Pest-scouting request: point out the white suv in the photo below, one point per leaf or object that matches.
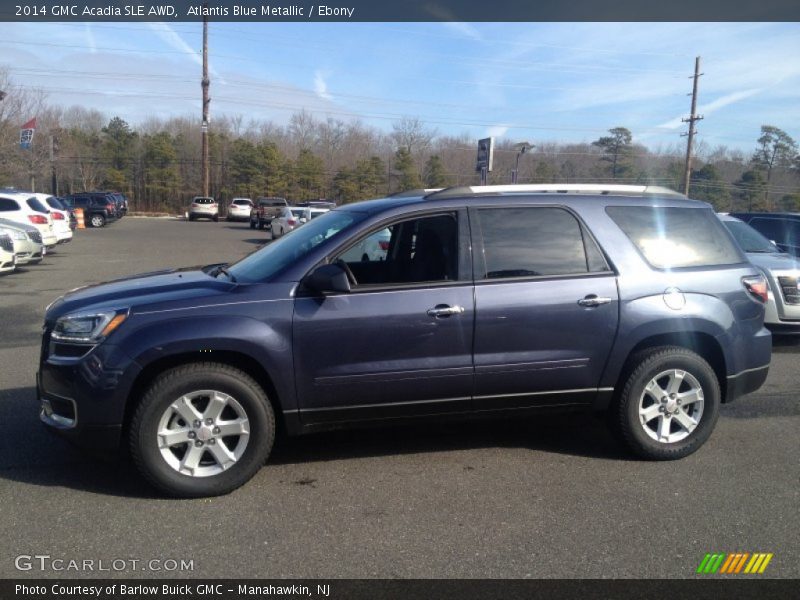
(24, 208)
(203, 207)
(60, 217)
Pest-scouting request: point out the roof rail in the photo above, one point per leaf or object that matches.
(415, 193)
(557, 188)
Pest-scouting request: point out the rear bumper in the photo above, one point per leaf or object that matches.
(745, 382)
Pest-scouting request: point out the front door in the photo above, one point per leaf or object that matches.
(400, 343)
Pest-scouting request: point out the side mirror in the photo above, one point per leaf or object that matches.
(326, 279)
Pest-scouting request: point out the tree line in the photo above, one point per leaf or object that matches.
(157, 162)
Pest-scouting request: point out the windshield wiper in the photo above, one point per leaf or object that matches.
(222, 269)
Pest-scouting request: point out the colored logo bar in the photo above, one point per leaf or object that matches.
(734, 563)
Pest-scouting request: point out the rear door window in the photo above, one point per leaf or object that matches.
(535, 242)
(670, 238)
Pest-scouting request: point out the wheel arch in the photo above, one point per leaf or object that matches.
(231, 358)
(703, 344)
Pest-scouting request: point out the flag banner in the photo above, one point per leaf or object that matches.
(26, 134)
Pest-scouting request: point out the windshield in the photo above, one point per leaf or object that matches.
(279, 254)
(749, 239)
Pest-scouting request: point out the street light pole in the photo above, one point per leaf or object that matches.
(522, 148)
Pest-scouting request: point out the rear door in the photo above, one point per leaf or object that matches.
(546, 308)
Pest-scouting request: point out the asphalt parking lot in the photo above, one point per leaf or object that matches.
(547, 497)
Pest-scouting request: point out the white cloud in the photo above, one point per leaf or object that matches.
(90, 39)
(168, 34)
(464, 29)
(320, 87)
(711, 107)
(497, 131)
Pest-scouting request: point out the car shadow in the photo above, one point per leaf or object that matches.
(30, 453)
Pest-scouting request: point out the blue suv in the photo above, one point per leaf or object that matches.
(488, 300)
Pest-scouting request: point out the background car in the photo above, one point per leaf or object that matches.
(8, 260)
(27, 241)
(60, 215)
(781, 228)
(203, 207)
(98, 209)
(265, 210)
(239, 209)
(287, 219)
(781, 270)
(15, 206)
(57, 203)
(374, 247)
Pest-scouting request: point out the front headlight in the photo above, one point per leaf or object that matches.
(88, 327)
(14, 234)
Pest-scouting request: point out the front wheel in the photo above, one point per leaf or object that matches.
(202, 429)
(669, 404)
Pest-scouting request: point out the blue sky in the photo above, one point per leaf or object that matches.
(536, 82)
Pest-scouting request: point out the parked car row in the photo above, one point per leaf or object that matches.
(31, 225)
(272, 212)
(99, 208)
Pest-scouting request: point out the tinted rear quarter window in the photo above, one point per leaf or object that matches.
(670, 238)
(535, 241)
(37, 206)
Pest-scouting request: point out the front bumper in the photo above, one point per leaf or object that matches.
(84, 399)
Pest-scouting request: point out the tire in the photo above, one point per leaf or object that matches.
(97, 220)
(665, 435)
(191, 217)
(163, 466)
(216, 219)
(261, 224)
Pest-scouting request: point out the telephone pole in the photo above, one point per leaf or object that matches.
(693, 118)
(206, 100)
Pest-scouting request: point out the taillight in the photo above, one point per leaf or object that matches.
(58, 216)
(384, 246)
(38, 219)
(194, 204)
(291, 222)
(757, 286)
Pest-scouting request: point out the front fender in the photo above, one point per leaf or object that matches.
(267, 342)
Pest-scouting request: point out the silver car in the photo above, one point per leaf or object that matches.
(203, 208)
(27, 240)
(781, 270)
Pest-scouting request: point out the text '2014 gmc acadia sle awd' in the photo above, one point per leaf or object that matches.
(626, 300)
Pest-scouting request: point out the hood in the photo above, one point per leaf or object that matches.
(17, 225)
(774, 261)
(146, 289)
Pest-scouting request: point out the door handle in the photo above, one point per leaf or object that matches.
(593, 300)
(443, 310)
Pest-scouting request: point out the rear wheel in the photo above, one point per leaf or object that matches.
(216, 218)
(97, 220)
(202, 430)
(261, 224)
(669, 404)
(252, 225)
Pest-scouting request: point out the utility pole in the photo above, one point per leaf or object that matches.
(53, 178)
(693, 118)
(206, 100)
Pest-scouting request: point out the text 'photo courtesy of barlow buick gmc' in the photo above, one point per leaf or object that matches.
(628, 301)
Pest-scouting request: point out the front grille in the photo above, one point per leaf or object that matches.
(6, 244)
(791, 294)
(35, 236)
